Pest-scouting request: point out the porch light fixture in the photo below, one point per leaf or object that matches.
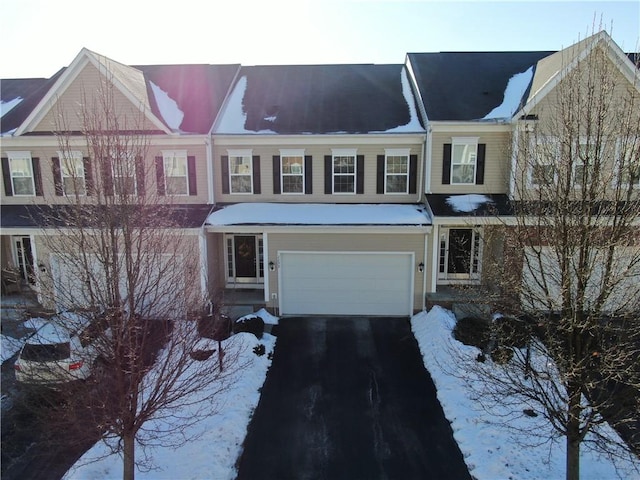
(272, 266)
(421, 267)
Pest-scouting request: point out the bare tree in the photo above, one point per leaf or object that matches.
(120, 257)
(571, 271)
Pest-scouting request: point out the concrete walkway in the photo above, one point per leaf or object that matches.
(349, 398)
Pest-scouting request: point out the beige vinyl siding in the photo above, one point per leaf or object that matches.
(334, 242)
(90, 83)
(318, 153)
(496, 168)
(45, 154)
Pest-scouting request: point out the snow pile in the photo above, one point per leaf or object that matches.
(467, 203)
(318, 214)
(516, 87)
(489, 449)
(218, 439)
(171, 113)
(414, 121)
(6, 107)
(266, 317)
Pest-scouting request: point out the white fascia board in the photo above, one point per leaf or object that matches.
(416, 91)
(458, 127)
(325, 229)
(80, 141)
(328, 139)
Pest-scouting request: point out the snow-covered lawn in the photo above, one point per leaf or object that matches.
(217, 440)
(490, 451)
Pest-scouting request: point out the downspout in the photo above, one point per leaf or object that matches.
(434, 258)
(265, 260)
(210, 183)
(424, 273)
(427, 169)
(204, 263)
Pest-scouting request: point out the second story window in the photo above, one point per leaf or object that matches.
(21, 173)
(544, 157)
(124, 175)
(176, 172)
(396, 171)
(72, 173)
(464, 156)
(463, 161)
(292, 171)
(240, 173)
(628, 159)
(344, 171)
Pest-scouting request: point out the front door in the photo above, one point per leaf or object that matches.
(24, 258)
(459, 254)
(244, 257)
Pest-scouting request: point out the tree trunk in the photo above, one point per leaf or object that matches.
(129, 460)
(573, 435)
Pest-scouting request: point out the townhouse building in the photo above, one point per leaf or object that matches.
(322, 189)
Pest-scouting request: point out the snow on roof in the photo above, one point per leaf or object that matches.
(467, 203)
(516, 88)
(5, 107)
(318, 214)
(168, 107)
(234, 117)
(414, 122)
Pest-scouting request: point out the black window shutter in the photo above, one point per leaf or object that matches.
(224, 164)
(160, 175)
(482, 148)
(308, 175)
(380, 174)
(446, 164)
(57, 176)
(140, 186)
(360, 174)
(88, 175)
(191, 175)
(107, 176)
(37, 175)
(6, 177)
(276, 174)
(413, 173)
(328, 174)
(256, 174)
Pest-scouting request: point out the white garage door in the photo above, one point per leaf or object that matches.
(350, 283)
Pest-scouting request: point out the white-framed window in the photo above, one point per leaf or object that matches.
(240, 171)
(21, 171)
(344, 170)
(464, 159)
(124, 174)
(544, 157)
(72, 174)
(396, 171)
(292, 171)
(176, 172)
(628, 161)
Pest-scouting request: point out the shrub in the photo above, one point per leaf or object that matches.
(473, 331)
(251, 324)
(512, 332)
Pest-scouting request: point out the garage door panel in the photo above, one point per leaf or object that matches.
(346, 283)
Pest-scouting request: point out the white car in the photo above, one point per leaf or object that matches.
(63, 349)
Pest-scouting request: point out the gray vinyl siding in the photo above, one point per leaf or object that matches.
(317, 152)
(497, 161)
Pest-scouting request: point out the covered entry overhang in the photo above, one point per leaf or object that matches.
(347, 259)
(465, 235)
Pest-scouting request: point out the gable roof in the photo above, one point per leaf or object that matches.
(192, 94)
(467, 85)
(320, 99)
(551, 70)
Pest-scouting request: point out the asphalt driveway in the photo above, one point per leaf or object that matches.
(349, 398)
